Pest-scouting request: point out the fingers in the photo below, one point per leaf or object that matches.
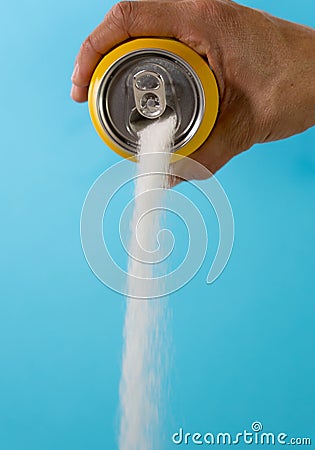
(79, 94)
(126, 19)
(211, 156)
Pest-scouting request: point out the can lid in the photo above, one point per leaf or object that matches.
(148, 79)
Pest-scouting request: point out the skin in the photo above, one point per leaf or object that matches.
(264, 67)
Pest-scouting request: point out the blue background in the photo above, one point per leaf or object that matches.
(243, 347)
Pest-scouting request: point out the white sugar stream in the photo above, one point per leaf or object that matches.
(145, 341)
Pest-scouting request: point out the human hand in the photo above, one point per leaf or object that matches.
(264, 67)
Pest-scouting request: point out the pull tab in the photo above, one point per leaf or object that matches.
(149, 93)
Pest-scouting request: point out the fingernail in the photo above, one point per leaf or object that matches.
(75, 71)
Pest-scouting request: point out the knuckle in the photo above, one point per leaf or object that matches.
(209, 8)
(217, 12)
(86, 45)
(90, 45)
(212, 7)
(121, 14)
(208, 12)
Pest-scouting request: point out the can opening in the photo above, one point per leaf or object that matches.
(138, 121)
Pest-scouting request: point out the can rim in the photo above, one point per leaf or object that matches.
(180, 50)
